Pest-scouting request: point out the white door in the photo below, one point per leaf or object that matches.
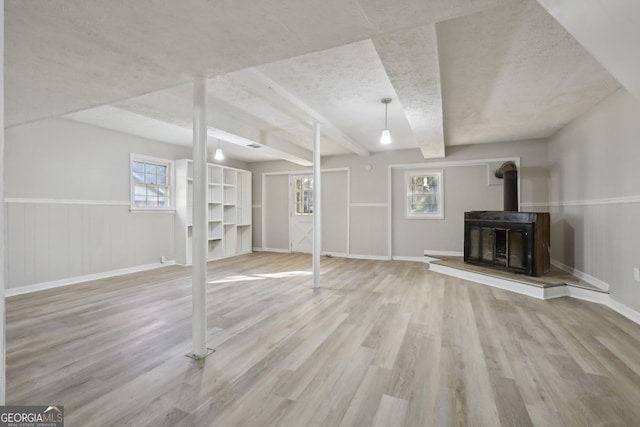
(302, 213)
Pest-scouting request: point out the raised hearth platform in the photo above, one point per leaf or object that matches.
(555, 284)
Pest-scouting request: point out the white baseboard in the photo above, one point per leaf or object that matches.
(80, 279)
(258, 249)
(587, 295)
(409, 258)
(605, 299)
(622, 309)
(335, 254)
(276, 250)
(428, 252)
(555, 292)
(495, 282)
(370, 257)
(581, 275)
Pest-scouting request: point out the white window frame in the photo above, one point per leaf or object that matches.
(439, 194)
(170, 165)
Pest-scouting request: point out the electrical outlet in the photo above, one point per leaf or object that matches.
(636, 274)
(162, 259)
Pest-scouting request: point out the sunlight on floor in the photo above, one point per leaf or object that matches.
(245, 278)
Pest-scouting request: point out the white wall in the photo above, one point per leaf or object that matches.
(465, 189)
(369, 195)
(595, 195)
(67, 190)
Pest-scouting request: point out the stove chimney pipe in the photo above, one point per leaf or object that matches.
(509, 172)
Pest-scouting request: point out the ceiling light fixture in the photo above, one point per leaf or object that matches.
(385, 139)
(219, 155)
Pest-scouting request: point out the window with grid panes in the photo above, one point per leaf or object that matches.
(150, 183)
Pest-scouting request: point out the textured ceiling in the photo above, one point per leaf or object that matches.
(514, 73)
(459, 71)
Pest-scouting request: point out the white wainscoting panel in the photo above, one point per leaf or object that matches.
(55, 241)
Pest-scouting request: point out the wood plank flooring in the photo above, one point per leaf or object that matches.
(382, 343)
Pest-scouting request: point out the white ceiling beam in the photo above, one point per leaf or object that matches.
(275, 147)
(173, 109)
(260, 85)
(608, 30)
(410, 59)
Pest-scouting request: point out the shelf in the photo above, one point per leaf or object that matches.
(214, 230)
(214, 175)
(214, 249)
(214, 212)
(228, 206)
(230, 195)
(229, 177)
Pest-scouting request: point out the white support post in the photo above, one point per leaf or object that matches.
(199, 239)
(2, 223)
(317, 206)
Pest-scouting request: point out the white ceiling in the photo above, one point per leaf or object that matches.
(459, 71)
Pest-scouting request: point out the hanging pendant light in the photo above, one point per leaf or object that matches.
(219, 155)
(385, 139)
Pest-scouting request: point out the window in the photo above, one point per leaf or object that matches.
(424, 194)
(304, 196)
(151, 183)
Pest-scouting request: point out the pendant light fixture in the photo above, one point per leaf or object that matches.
(219, 155)
(385, 139)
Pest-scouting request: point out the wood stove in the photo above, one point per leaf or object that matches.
(512, 241)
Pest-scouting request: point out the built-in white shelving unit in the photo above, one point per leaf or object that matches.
(228, 211)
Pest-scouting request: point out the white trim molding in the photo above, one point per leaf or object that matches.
(581, 275)
(456, 163)
(67, 201)
(276, 250)
(81, 279)
(428, 252)
(625, 311)
(410, 258)
(370, 257)
(596, 202)
(586, 202)
(500, 283)
(368, 205)
(534, 205)
(334, 254)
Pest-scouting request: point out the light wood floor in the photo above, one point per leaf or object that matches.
(381, 344)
